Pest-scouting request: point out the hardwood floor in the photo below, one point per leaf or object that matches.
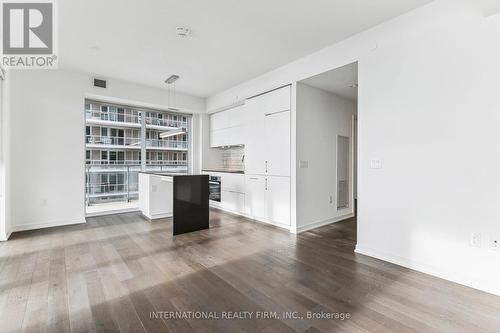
(117, 272)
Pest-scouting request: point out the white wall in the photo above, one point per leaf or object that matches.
(47, 141)
(5, 183)
(211, 158)
(429, 109)
(321, 117)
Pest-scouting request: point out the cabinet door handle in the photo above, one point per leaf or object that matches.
(266, 184)
(253, 178)
(266, 166)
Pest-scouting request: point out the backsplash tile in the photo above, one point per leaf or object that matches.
(232, 158)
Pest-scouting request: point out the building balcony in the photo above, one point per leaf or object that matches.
(107, 183)
(164, 124)
(117, 162)
(112, 142)
(97, 117)
(166, 144)
(166, 163)
(136, 163)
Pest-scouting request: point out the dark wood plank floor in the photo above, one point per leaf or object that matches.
(113, 272)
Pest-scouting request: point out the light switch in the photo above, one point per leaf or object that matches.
(375, 164)
(303, 164)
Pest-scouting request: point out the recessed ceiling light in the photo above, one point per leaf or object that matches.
(183, 32)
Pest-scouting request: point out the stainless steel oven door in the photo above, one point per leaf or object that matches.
(214, 186)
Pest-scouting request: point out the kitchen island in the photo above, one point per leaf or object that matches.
(183, 197)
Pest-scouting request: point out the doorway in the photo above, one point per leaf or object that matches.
(326, 147)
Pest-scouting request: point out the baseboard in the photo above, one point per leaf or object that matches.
(318, 224)
(34, 226)
(267, 222)
(7, 235)
(263, 221)
(490, 287)
(157, 216)
(113, 212)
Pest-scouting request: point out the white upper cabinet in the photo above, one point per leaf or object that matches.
(255, 139)
(226, 127)
(275, 101)
(267, 145)
(236, 116)
(277, 131)
(219, 121)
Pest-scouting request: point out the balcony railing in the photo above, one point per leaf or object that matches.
(120, 183)
(116, 162)
(112, 140)
(165, 122)
(112, 116)
(175, 144)
(136, 162)
(133, 119)
(134, 142)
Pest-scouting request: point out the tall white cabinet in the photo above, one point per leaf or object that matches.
(267, 157)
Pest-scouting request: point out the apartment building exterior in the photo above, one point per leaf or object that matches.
(114, 145)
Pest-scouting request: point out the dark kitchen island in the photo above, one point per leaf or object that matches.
(189, 198)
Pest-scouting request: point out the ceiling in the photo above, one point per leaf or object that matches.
(340, 81)
(232, 41)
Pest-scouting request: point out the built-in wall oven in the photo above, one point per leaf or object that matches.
(214, 185)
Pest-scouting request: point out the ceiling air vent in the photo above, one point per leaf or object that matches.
(100, 83)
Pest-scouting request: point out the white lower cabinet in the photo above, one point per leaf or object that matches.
(255, 192)
(268, 199)
(232, 201)
(277, 208)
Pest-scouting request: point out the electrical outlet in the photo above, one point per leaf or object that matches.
(475, 239)
(495, 244)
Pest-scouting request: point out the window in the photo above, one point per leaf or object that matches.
(113, 113)
(122, 164)
(121, 114)
(104, 113)
(88, 110)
